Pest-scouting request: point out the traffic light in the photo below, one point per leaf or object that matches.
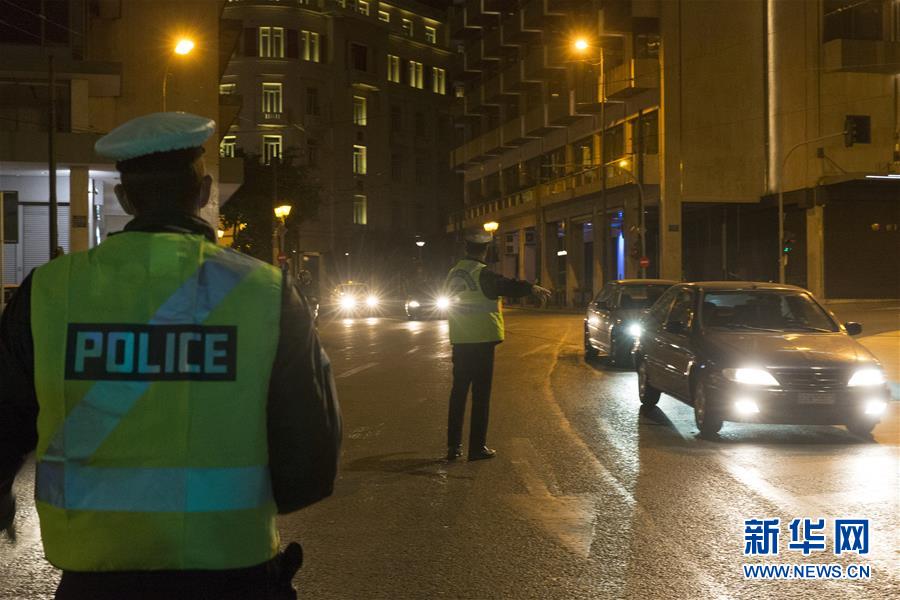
(857, 130)
(787, 246)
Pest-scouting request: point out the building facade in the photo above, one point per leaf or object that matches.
(583, 124)
(110, 59)
(358, 92)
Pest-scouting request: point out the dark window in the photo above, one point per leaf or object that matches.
(251, 42)
(10, 217)
(396, 118)
(615, 143)
(21, 22)
(312, 153)
(396, 167)
(683, 309)
(359, 57)
(853, 20)
(650, 132)
(659, 310)
(312, 101)
(420, 124)
(639, 296)
(421, 171)
(292, 43)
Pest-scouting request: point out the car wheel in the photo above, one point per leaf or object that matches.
(861, 427)
(589, 351)
(708, 422)
(648, 394)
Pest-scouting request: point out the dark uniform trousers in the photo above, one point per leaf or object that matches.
(473, 365)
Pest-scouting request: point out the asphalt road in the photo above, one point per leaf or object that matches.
(587, 498)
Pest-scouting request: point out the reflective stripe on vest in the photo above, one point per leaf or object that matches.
(153, 354)
(473, 317)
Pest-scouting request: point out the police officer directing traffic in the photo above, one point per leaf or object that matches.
(175, 392)
(476, 327)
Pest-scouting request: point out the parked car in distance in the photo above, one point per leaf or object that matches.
(757, 352)
(613, 319)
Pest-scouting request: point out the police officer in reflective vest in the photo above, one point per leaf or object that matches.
(184, 398)
(476, 327)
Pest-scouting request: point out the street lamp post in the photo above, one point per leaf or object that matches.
(491, 227)
(183, 47)
(420, 244)
(281, 213)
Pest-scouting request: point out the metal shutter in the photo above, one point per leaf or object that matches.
(36, 234)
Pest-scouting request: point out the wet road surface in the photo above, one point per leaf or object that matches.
(587, 497)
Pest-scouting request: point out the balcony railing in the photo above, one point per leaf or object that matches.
(862, 56)
(633, 77)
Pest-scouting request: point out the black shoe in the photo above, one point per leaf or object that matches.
(482, 453)
(454, 452)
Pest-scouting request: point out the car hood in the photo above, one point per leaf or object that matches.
(786, 349)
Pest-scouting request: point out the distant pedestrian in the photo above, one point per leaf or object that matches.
(476, 327)
(175, 393)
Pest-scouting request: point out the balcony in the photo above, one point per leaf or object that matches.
(541, 14)
(862, 56)
(514, 29)
(492, 90)
(514, 133)
(633, 77)
(537, 66)
(483, 12)
(536, 121)
(229, 109)
(271, 118)
(561, 110)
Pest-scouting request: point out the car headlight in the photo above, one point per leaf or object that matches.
(750, 376)
(634, 330)
(414, 304)
(348, 302)
(372, 301)
(443, 302)
(867, 377)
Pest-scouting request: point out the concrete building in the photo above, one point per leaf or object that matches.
(110, 59)
(359, 92)
(714, 106)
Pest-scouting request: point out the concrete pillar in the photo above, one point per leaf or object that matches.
(670, 142)
(547, 233)
(574, 261)
(630, 227)
(79, 109)
(520, 266)
(815, 250)
(598, 221)
(79, 210)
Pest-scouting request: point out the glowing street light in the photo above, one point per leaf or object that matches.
(184, 46)
(282, 212)
(623, 164)
(491, 226)
(581, 45)
(420, 243)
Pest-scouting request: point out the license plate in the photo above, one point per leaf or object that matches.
(815, 398)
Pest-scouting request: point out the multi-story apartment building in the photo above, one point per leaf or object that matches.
(714, 107)
(357, 91)
(110, 58)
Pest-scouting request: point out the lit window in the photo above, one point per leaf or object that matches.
(460, 90)
(271, 42)
(359, 209)
(407, 26)
(415, 75)
(438, 81)
(384, 15)
(359, 110)
(271, 148)
(362, 7)
(393, 68)
(271, 100)
(226, 89)
(310, 42)
(431, 35)
(359, 160)
(228, 146)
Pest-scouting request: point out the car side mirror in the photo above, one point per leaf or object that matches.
(853, 328)
(676, 327)
(601, 305)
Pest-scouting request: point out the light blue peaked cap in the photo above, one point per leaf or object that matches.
(479, 237)
(156, 132)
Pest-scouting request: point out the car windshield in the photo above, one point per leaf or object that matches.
(352, 289)
(640, 296)
(764, 311)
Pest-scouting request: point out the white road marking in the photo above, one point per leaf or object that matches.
(412, 350)
(537, 349)
(356, 370)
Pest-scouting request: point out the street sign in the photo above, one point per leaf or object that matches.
(644, 262)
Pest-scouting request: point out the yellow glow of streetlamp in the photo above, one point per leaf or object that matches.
(220, 233)
(581, 44)
(281, 212)
(184, 46)
(491, 226)
(623, 164)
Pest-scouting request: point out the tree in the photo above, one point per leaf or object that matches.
(249, 213)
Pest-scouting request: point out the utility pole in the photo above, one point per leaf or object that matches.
(639, 176)
(602, 227)
(51, 153)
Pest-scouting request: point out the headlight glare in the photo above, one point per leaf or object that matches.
(635, 330)
(748, 376)
(414, 304)
(867, 377)
(348, 302)
(443, 302)
(876, 407)
(372, 301)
